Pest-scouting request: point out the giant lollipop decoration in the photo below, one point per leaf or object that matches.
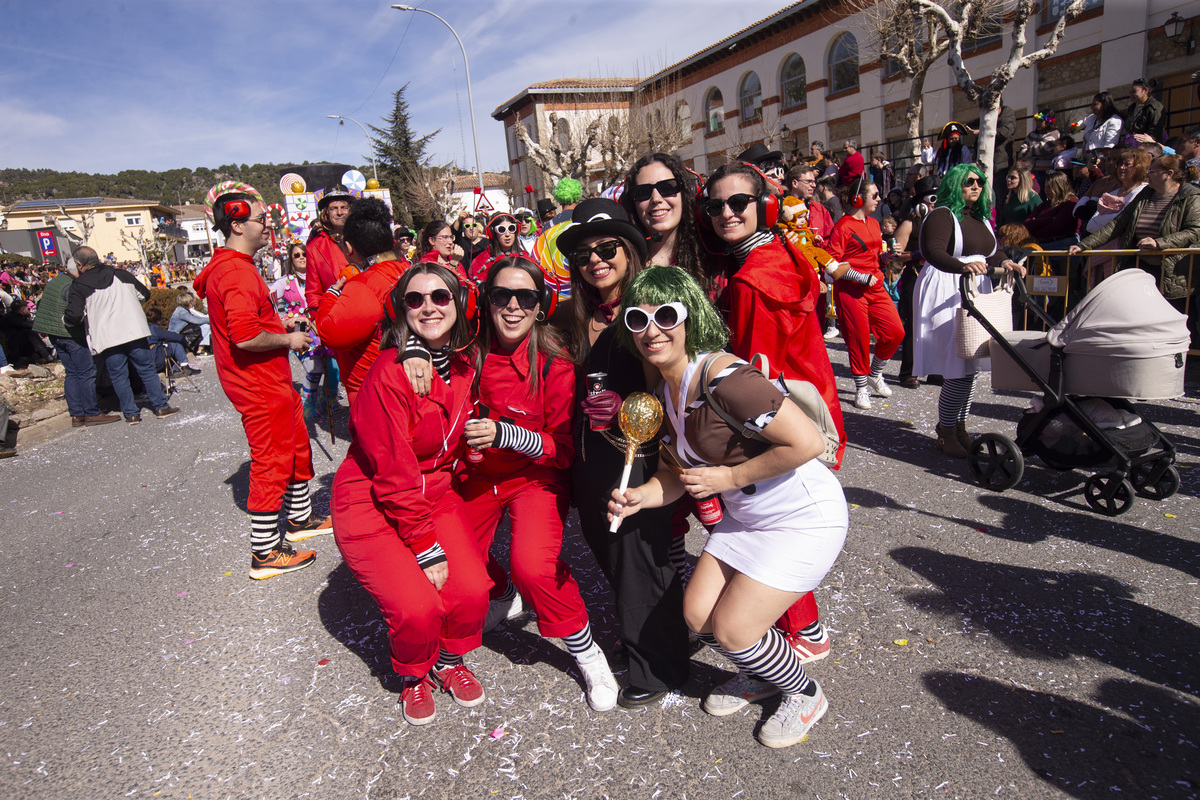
(551, 259)
(641, 416)
(225, 187)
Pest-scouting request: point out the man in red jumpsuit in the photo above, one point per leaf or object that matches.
(325, 249)
(250, 345)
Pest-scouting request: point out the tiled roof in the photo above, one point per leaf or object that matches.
(491, 180)
(585, 83)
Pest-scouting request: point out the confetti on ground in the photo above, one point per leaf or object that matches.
(499, 733)
(182, 594)
(322, 662)
(901, 642)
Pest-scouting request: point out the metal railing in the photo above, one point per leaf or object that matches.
(1069, 276)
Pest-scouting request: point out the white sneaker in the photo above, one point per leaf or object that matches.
(833, 332)
(736, 693)
(500, 610)
(7, 368)
(862, 399)
(601, 685)
(796, 715)
(877, 386)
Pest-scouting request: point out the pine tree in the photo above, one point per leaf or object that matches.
(399, 153)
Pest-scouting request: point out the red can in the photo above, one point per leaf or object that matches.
(709, 510)
(473, 455)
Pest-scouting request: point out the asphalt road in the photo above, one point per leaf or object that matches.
(985, 645)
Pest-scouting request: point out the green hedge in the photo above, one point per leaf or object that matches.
(165, 301)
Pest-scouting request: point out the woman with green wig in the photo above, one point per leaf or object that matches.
(784, 518)
(956, 238)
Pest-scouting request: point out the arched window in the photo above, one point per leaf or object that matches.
(843, 63)
(750, 97)
(714, 107)
(683, 116)
(793, 82)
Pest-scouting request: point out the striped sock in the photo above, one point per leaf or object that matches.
(446, 660)
(678, 554)
(264, 532)
(954, 401)
(813, 633)
(510, 592)
(711, 641)
(860, 381)
(299, 507)
(774, 660)
(581, 641)
(877, 365)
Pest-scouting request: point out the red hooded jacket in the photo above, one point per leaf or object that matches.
(326, 260)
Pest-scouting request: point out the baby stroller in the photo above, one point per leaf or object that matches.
(1123, 342)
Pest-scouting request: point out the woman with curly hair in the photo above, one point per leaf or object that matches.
(956, 238)
(785, 515)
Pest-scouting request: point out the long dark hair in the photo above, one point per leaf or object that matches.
(1107, 107)
(430, 230)
(585, 299)
(542, 339)
(290, 268)
(395, 324)
(687, 240)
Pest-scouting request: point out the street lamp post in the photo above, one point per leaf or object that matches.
(470, 99)
(342, 121)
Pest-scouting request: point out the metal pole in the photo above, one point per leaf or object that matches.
(470, 98)
(374, 172)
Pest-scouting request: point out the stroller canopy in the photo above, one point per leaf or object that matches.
(1125, 315)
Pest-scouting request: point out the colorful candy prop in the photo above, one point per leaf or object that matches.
(640, 418)
(225, 187)
(354, 180)
(292, 184)
(276, 216)
(554, 263)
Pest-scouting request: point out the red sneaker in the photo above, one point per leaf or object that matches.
(461, 683)
(416, 701)
(809, 651)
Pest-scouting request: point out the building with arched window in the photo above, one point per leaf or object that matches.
(843, 63)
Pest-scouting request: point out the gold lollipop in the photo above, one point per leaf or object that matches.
(641, 416)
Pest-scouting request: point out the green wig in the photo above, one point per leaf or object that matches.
(568, 191)
(950, 192)
(658, 285)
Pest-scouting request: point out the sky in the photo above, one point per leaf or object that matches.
(102, 86)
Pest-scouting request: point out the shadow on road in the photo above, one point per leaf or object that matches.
(1087, 751)
(1058, 615)
(351, 616)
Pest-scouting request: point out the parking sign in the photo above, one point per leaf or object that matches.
(46, 243)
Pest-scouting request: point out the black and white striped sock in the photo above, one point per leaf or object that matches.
(264, 532)
(860, 381)
(678, 554)
(813, 633)
(954, 401)
(447, 660)
(877, 365)
(774, 660)
(514, 437)
(581, 641)
(299, 506)
(711, 641)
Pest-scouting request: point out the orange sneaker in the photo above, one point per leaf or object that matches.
(280, 560)
(299, 531)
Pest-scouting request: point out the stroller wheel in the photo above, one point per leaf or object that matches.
(996, 462)
(1156, 480)
(1108, 494)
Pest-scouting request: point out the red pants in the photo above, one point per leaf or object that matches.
(800, 615)
(420, 619)
(280, 452)
(537, 499)
(864, 310)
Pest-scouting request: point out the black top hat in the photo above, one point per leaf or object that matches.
(926, 186)
(758, 153)
(338, 192)
(600, 216)
(545, 206)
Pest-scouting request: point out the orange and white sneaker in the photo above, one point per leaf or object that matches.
(299, 531)
(809, 650)
(796, 715)
(280, 560)
(461, 683)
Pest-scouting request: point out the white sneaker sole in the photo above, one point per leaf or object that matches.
(263, 574)
(300, 536)
(725, 711)
(800, 735)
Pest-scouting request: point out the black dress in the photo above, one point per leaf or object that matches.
(636, 561)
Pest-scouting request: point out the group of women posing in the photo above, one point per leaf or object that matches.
(508, 424)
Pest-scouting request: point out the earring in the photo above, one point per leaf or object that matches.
(540, 316)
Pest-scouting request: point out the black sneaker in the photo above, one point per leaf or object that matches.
(190, 370)
(299, 531)
(165, 411)
(280, 560)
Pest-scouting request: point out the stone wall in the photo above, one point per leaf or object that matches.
(1069, 76)
(842, 129)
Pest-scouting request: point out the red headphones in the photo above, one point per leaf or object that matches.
(767, 202)
(236, 210)
(468, 300)
(857, 201)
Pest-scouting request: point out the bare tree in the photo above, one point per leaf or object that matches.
(85, 223)
(428, 191)
(959, 20)
(568, 145)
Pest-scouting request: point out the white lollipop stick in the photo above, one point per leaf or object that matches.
(616, 523)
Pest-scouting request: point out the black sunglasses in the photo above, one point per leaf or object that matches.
(501, 296)
(440, 297)
(644, 191)
(737, 204)
(605, 251)
(976, 181)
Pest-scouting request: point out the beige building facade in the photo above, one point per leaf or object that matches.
(131, 230)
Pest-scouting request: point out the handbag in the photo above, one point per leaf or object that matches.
(971, 340)
(802, 393)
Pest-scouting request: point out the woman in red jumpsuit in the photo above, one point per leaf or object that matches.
(864, 306)
(403, 531)
(772, 297)
(523, 437)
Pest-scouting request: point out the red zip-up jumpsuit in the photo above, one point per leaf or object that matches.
(536, 492)
(326, 260)
(393, 499)
(864, 310)
(259, 384)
